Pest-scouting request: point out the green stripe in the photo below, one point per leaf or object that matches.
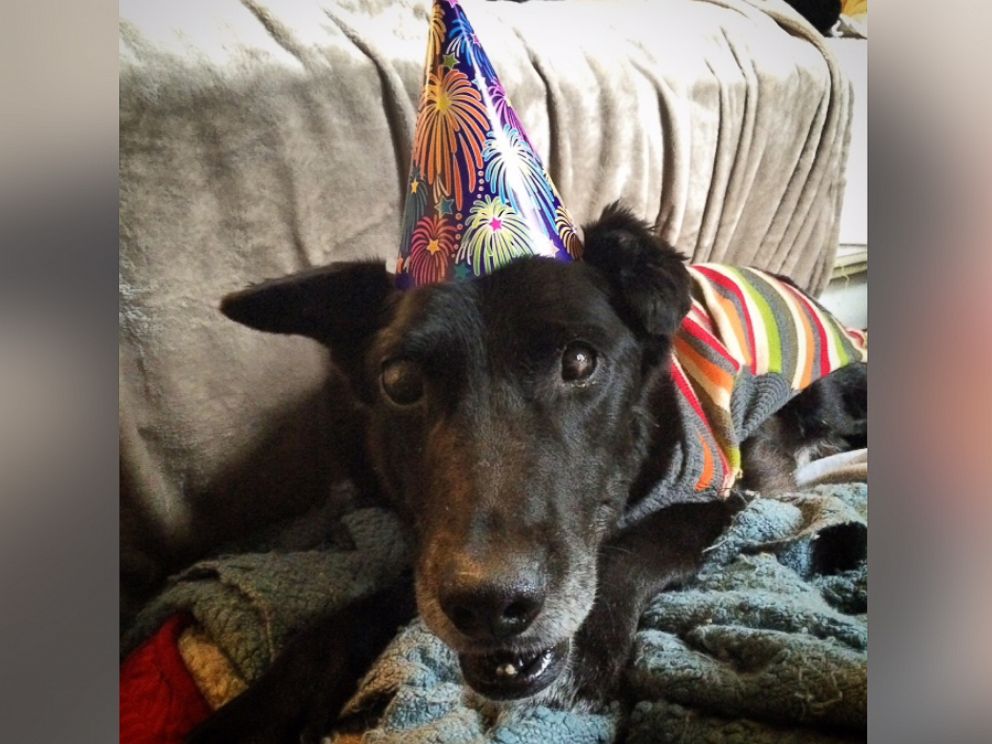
(772, 290)
(847, 351)
(843, 355)
(854, 353)
(768, 317)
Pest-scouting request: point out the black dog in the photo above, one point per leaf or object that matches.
(510, 421)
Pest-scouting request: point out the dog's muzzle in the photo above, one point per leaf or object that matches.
(509, 675)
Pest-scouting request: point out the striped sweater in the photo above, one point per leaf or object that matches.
(749, 343)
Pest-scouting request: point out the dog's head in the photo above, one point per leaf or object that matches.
(507, 422)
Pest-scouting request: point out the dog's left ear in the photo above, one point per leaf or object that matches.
(342, 305)
(648, 276)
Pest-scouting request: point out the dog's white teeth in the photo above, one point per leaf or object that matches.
(506, 670)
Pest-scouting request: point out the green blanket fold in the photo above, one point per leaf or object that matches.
(769, 644)
(248, 603)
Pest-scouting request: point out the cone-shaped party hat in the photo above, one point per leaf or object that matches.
(478, 195)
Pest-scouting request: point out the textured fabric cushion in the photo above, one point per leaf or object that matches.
(258, 139)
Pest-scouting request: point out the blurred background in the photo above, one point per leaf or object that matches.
(930, 193)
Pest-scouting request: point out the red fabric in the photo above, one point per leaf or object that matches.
(160, 702)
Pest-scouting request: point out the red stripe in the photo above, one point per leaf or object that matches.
(701, 316)
(824, 339)
(697, 308)
(683, 385)
(697, 331)
(690, 395)
(724, 282)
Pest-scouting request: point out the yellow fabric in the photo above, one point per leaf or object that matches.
(211, 670)
(854, 8)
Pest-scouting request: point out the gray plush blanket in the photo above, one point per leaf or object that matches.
(769, 644)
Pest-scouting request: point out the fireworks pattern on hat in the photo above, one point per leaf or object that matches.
(451, 131)
(479, 195)
(494, 236)
(431, 250)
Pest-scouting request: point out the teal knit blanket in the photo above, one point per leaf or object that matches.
(769, 644)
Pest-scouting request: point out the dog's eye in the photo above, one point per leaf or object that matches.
(578, 361)
(403, 381)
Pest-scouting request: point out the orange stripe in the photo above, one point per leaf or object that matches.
(718, 376)
(732, 316)
(706, 478)
(807, 378)
(717, 276)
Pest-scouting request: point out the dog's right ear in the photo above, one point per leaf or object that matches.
(342, 305)
(649, 278)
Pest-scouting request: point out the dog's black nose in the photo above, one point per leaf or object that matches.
(485, 612)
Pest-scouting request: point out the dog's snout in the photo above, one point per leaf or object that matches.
(490, 610)
(490, 613)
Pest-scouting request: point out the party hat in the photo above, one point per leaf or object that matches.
(478, 195)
